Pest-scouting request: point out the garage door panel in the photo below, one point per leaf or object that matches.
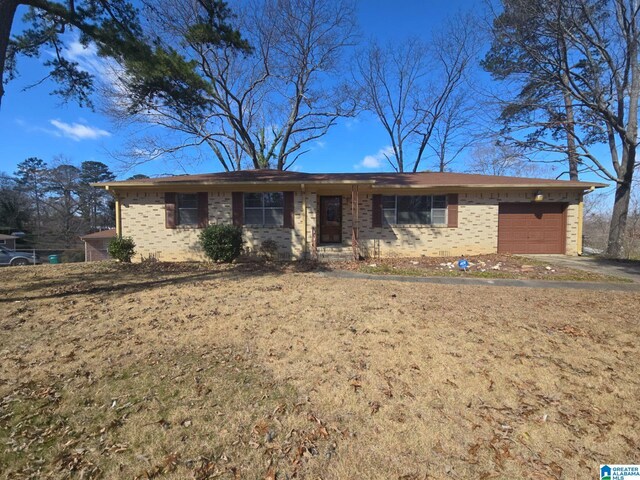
(531, 228)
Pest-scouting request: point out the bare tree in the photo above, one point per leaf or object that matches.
(492, 158)
(62, 186)
(452, 135)
(416, 92)
(586, 52)
(260, 109)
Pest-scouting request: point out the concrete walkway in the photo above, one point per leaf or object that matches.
(617, 268)
(496, 282)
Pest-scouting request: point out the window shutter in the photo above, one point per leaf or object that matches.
(288, 210)
(452, 210)
(203, 209)
(170, 209)
(237, 208)
(376, 210)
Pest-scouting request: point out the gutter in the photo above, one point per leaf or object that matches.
(477, 186)
(372, 183)
(124, 184)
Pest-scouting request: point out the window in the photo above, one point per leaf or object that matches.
(187, 207)
(3, 242)
(414, 209)
(264, 208)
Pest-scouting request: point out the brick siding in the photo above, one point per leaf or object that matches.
(143, 218)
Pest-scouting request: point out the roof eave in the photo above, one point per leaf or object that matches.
(471, 186)
(114, 185)
(373, 183)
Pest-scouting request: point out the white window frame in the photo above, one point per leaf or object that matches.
(261, 208)
(395, 210)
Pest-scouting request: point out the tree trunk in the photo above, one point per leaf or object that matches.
(618, 226)
(7, 13)
(629, 141)
(619, 221)
(572, 155)
(571, 141)
(38, 215)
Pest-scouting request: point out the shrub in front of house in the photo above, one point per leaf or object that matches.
(221, 243)
(122, 249)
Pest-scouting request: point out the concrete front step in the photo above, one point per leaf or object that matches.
(329, 253)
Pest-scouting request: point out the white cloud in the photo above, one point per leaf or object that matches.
(377, 160)
(76, 50)
(372, 161)
(86, 57)
(107, 71)
(351, 123)
(31, 128)
(78, 131)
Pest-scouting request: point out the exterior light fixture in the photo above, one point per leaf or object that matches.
(538, 196)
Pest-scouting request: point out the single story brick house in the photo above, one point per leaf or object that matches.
(359, 214)
(96, 245)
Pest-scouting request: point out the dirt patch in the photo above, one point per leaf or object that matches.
(194, 371)
(482, 266)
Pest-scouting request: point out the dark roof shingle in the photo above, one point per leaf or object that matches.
(426, 179)
(111, 233)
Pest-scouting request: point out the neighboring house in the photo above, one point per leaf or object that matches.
(96, 245)
(8, 241)
(364, 214)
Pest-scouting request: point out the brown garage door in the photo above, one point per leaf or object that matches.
(531, 228)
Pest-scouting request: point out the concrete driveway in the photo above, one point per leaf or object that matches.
(618, 268)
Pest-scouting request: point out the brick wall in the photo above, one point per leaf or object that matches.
(477, 231)
(291, 241)
(143, 218)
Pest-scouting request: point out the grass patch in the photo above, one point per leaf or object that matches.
(191, 372)
(199, 414)
(571, 276)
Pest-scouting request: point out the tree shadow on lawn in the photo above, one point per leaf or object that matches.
(134, 422)
(131, 278)
(631, 267)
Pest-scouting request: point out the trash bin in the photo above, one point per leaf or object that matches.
(54, 259)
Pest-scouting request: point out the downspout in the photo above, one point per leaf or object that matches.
(581, 220)
(118, 216)
(304, 214)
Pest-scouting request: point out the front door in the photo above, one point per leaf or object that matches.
(331, 219)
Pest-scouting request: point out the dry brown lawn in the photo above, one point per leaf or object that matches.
(189, 371)
(481, 266)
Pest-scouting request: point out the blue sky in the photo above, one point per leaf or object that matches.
(34, 123)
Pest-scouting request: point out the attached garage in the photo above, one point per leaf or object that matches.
(537, 227)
